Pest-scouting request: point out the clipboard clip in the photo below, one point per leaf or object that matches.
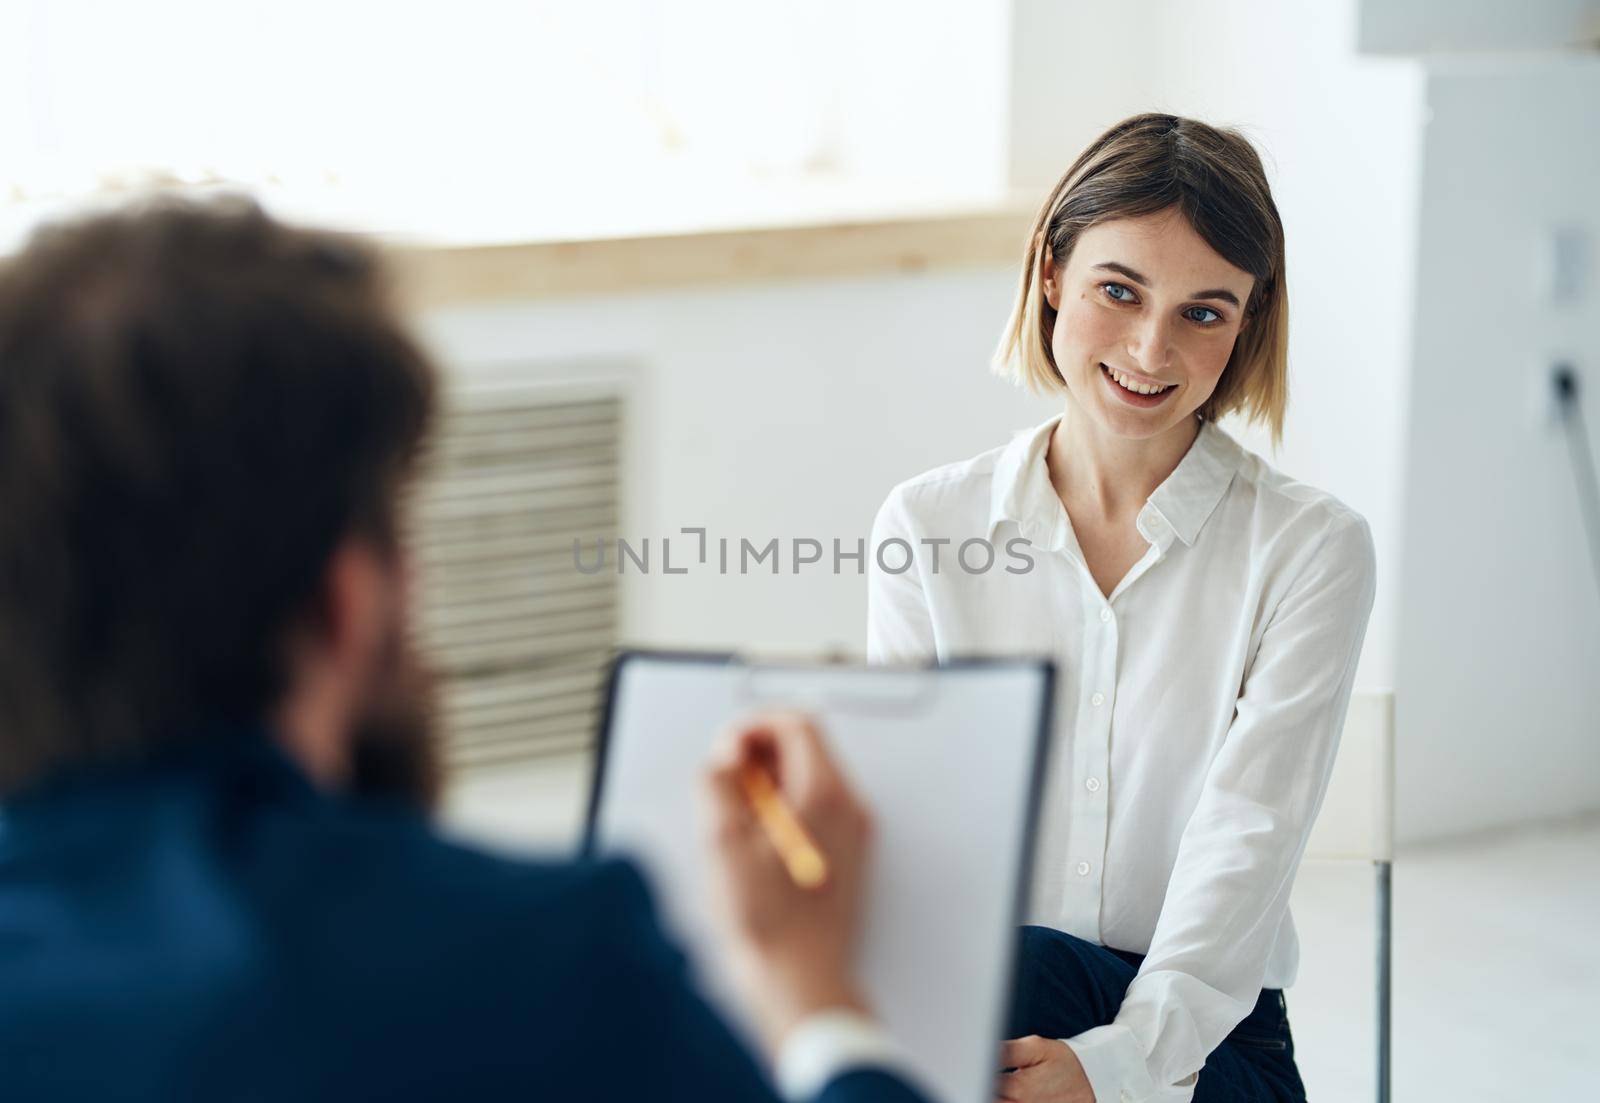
(836, 687)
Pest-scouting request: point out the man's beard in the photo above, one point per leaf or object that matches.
(395, 744)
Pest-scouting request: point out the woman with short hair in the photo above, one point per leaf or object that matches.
(1205, 612)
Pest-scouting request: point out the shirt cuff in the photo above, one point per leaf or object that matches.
(827, 1044)
(1114, 1062)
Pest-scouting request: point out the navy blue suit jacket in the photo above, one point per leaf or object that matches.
(209, 926)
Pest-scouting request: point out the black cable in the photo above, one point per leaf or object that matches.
(1565, 380)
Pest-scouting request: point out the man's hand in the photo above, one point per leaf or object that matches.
(794, 948)
(1046, 1071)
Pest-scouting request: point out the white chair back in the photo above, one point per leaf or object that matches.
(1357, 817)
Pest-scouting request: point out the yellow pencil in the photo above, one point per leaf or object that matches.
(799, 854)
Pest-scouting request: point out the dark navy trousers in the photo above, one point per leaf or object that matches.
(1066, 985)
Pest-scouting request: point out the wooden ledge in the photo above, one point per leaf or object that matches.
(431, 277)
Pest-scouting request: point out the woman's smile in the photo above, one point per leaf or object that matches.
(1134, 391)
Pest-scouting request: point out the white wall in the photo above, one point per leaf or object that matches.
(1499, 626)
(769, 411)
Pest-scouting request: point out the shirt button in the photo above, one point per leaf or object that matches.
(1097, 700)
(1093, 785)
(1083, 869)
(1105, 615)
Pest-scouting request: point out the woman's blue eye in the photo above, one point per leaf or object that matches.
(1211, 318)
(1117, 291)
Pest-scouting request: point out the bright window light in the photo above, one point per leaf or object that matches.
(482, 121)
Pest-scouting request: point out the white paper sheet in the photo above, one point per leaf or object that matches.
(948, 759)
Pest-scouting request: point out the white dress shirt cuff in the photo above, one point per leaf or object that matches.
(1114, 1062)
(828, 1044)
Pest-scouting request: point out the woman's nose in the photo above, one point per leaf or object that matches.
(1150, 344)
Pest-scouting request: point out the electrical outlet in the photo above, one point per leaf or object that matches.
(1567, 264)
(1549, 406)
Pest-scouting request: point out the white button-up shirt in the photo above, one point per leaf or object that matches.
(1198, 713)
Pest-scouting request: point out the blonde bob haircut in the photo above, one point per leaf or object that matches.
(1142, 166)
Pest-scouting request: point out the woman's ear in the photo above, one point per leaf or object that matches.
(1050, 279)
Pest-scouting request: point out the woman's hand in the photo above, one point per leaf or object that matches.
(1046, 1071)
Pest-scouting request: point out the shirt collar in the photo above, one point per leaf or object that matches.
(1189, 496)
(1185, 500)
(1022, 492)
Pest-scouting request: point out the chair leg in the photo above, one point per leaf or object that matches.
(1385, 916)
